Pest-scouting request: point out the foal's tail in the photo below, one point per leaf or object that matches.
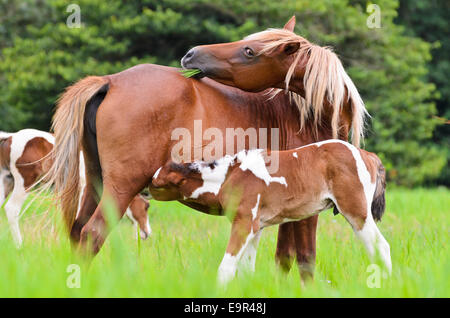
(68, 126)
(379, 201)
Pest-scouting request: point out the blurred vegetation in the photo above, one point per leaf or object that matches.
(391, 66)
(430, 21)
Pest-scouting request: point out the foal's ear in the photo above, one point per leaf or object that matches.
(290, 25)
(290, 48)
(175, 178)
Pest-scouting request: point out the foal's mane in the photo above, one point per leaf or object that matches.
(324, 77)
(183, 168)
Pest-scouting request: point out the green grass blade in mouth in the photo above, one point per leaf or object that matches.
(189, 72)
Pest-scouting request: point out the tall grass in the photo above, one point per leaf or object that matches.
(183, 254)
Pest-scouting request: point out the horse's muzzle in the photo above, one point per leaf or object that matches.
(187, 58)
(190, 61)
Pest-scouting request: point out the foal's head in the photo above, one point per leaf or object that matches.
(139, 210)
(179, 178)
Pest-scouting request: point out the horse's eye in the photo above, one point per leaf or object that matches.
(249, 52)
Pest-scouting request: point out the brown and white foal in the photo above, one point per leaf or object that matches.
(309, 179)
(22, 162)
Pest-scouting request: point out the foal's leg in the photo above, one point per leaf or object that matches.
(248, 259)
(372, 238)
(358, 213)
(13, 206)
(243, 231)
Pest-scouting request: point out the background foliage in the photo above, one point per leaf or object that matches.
(429, 20)
(391, 66)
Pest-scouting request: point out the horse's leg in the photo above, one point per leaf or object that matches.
(13, 206)
(305, 243)
(96, 229)
(89, 203)
(90, 176)
(243, 231)
(285, 246)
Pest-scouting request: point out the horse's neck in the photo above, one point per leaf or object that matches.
(281, 112)
(260, 110)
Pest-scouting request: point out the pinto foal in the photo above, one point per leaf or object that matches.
(22, 162)
(310, 179)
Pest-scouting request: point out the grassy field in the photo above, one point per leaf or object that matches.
(183, 254)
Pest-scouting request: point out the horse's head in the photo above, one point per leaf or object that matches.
(255, 63)
(279, 58)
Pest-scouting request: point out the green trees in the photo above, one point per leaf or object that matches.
(40, 55)
(429, 20)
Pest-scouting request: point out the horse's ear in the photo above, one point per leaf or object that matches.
(290, 48)
(290, 25)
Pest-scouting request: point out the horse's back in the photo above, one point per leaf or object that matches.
(158, 82)
(148, 81)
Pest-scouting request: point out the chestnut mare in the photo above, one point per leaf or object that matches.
(23, 159)
(124, 123)
(309, 180)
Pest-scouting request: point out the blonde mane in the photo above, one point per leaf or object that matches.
(324, 77)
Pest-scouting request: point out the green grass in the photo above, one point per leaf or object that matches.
(183, 254)
(189, 72)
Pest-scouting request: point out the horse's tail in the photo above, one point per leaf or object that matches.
(68, 126)
(379, 201)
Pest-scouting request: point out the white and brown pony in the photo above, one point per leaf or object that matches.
(309, 180)
(23, 159)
